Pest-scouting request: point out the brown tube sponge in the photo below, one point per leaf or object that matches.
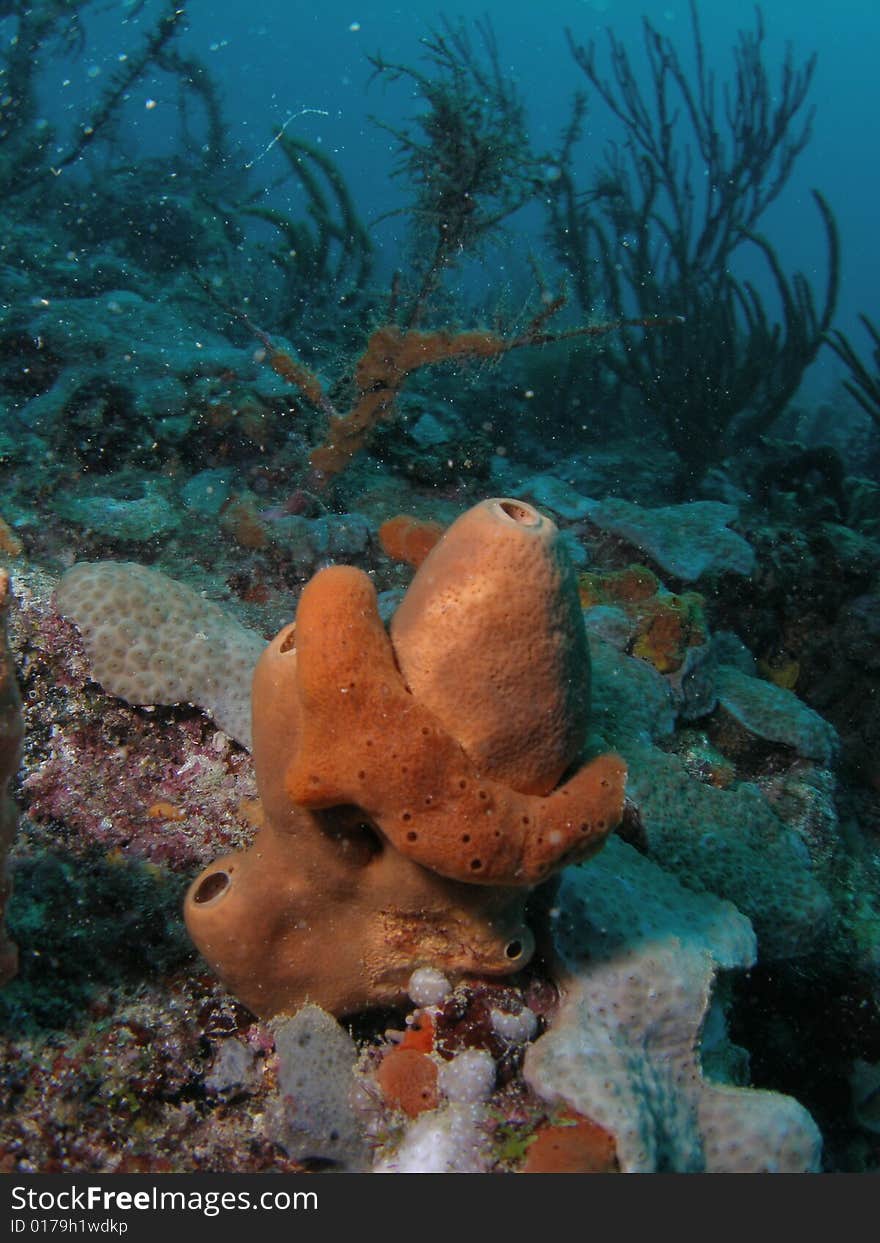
(387, 845)
(365, 739)
(490, 637)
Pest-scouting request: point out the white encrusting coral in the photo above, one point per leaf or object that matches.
(642, 953)
(153, 640)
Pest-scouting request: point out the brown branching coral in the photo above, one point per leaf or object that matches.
(406, 823)
(470, 166)
(391, 355)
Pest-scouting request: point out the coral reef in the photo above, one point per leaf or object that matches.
(390, 355)
(471, 168)
(165, 767)
(656, 625)
(729, 807)
(812, 605)
(775, 713)
(203, 370)
(174, 789)
(91, 377)
(725, 838)
(434, 442)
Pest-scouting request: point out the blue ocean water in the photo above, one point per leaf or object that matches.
(305, 66)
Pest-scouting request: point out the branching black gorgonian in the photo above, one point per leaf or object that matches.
(466, 156)
(667, 214)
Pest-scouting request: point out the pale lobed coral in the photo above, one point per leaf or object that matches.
(775, 713)
(687, 541)
(153, 640)
(641, 955)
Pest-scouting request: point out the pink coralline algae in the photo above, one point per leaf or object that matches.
(163, 786)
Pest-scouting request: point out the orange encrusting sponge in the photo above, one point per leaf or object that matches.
(408, 539)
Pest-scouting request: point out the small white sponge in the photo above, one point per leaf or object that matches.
(469, 1078)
